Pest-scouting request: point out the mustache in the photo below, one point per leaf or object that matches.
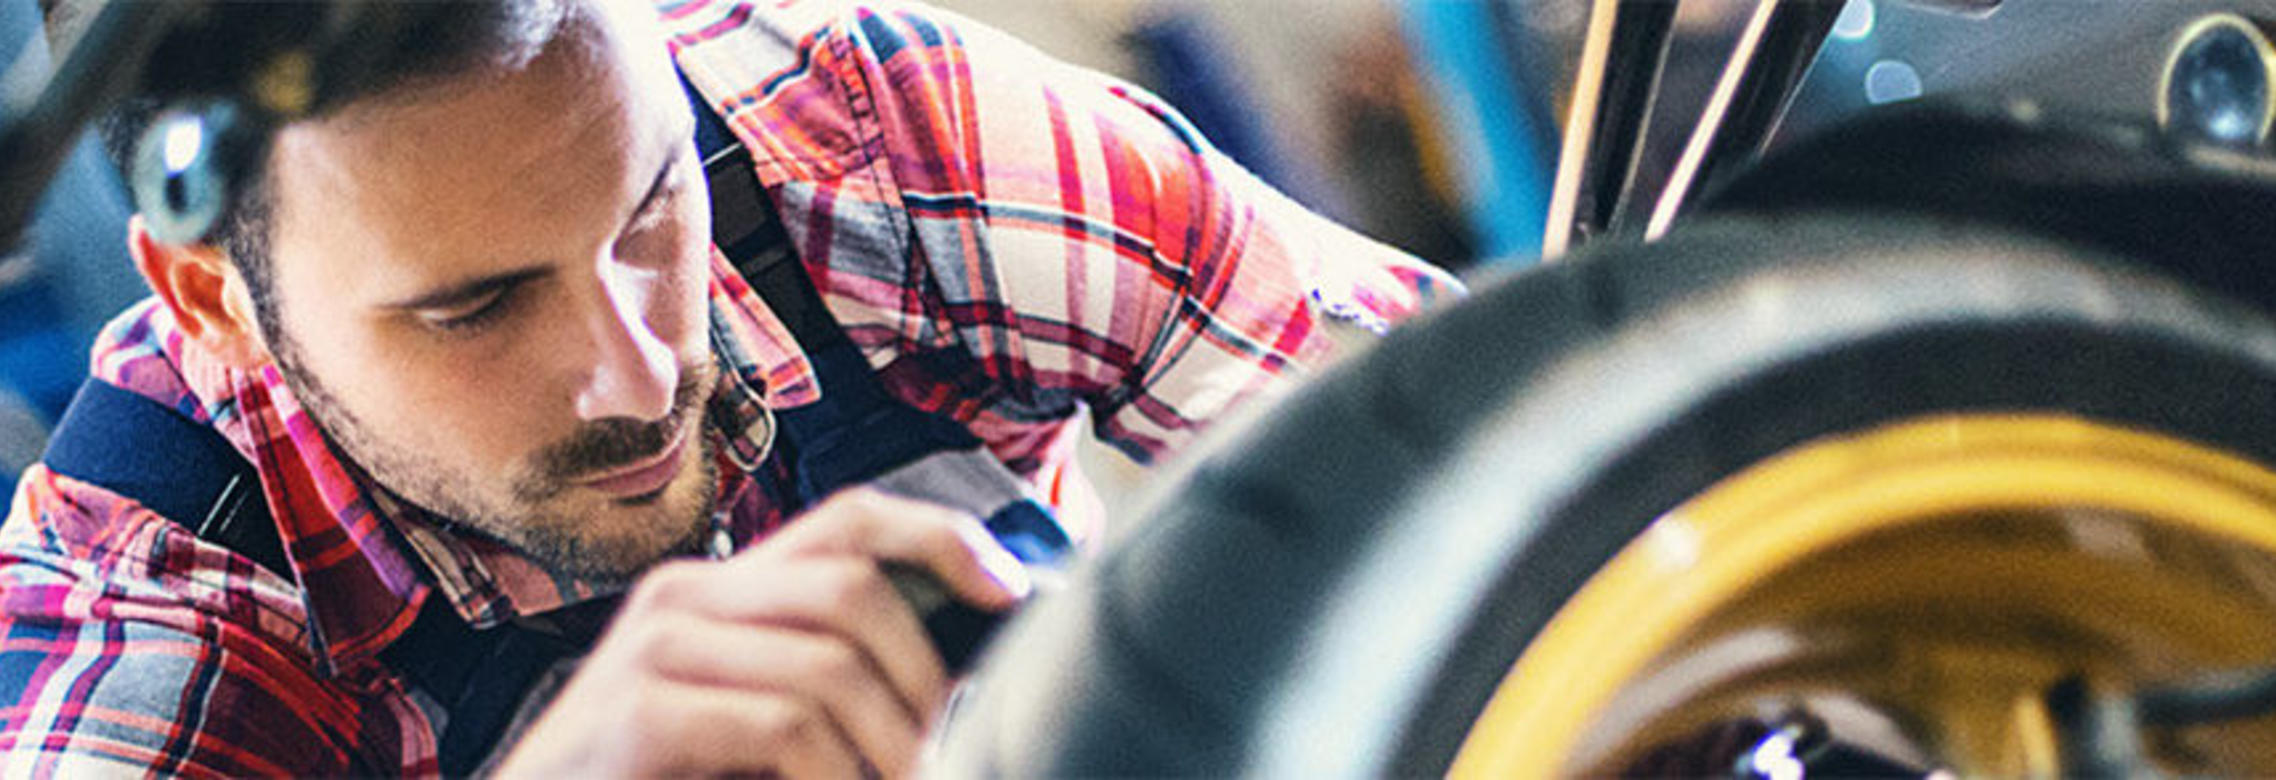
(616, 442)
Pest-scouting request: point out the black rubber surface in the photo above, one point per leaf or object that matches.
(1338, 592)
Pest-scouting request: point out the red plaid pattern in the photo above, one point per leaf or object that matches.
(1009, 239)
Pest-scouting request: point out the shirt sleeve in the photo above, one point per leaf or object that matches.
(957, 192)
(108, 665)
(1083, 238)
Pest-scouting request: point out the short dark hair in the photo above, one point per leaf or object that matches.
(394, 48)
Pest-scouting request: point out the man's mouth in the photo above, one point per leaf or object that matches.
(645, 477)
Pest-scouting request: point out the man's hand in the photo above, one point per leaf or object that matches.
(796, 657)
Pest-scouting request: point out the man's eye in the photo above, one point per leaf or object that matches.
(467, 318)
(658, 207)
(654, 211)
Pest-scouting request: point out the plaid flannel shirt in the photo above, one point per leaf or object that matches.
(1008, 239)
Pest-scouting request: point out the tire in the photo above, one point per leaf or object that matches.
(1338, 592)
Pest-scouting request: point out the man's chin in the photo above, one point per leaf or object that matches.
(603, 556)
(608, 538)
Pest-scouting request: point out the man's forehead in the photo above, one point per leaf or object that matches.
(450, 167)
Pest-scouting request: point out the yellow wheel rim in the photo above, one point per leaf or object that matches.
(1947, 568)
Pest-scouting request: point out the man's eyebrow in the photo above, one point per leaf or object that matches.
(475, 288)
(469, 290)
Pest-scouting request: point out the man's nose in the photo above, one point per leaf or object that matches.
(633, 371)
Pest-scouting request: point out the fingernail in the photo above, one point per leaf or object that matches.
(1007, 570)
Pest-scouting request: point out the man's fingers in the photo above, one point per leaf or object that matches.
(949, 544)
(848, 684)
(845, 597)
(809, 623)
(798, 657)
(717, 731)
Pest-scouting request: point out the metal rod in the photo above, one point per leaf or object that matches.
(1774, 51)
(1621, 57)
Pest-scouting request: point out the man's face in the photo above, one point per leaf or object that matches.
(491, 294)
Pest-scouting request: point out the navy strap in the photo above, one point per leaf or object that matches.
(745, 228)
(483, 677)
(180, 468)
(856, 431)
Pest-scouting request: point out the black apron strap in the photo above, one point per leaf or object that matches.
(856, 431)
(182, 469)
(482, 679)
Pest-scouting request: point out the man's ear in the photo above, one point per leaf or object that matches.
(206, 293)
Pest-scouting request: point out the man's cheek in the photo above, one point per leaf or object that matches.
(484, 434)
(691, 277)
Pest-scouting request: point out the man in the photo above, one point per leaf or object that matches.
(471, 332)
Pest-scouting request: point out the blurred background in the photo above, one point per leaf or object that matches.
(1424, 124)
(71, 276)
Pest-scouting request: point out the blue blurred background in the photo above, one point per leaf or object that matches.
(73, 275)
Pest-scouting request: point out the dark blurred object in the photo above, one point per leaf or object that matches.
(189, 164)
